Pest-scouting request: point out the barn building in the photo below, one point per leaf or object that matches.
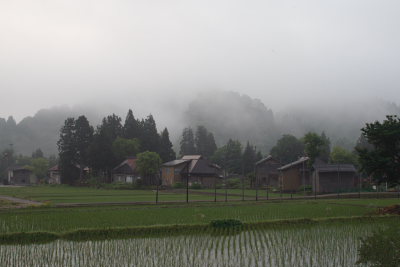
(126, 172)
(295, 175)
(199, 170)
(267, 173)
(329, 178)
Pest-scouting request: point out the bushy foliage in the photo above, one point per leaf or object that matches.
(226, 223)
(382, 249)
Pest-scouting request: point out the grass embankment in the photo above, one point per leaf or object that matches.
(176, 230)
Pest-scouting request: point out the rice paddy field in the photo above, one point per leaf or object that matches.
(323, 244)
(61, 194)
(67, 219)
(274, 233)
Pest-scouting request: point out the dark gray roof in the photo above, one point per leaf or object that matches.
(295, 163)
(175, 162)
(264, 160)
(18, 168)
(204, 167)
(334, 168)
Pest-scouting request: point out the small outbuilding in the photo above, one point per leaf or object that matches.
(330, 178)
(126, 172)
(295, 175)
(54, 175)
(267, 173)
(21, 176)
(199, 170)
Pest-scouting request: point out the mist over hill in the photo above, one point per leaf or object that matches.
(226, 114)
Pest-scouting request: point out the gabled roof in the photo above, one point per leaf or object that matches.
(192, 157)
(174, 162)
(265, 160)
(131, 162)
(57, 168)
(18, 168)
(334, 168)
(196, 163)
(295, 163)
(203, 167)
(54, 168)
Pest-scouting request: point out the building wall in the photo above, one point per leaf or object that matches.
(172, 175)
(54, 177)
(267, 173)
(290, 180)
(329, 182)
(22, 177)
(205, 181)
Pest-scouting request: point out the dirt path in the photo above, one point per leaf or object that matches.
(23, 202)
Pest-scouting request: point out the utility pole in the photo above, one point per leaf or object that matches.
(242, 180)
(158, 183)
(187, 181)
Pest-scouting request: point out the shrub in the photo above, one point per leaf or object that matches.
(226, 223)
(234, 183)
(196, 186)
(178, 185)
(382, 249)
(307, 188)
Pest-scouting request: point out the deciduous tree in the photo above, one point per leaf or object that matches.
(287, 149)
(383, 160)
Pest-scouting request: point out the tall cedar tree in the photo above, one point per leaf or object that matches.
(233, 157)
(204, 142)
(211, 145)
(150, 140)
(67, 152)
(200, 140)
(38, 153)
(249, 158)
(383, 160)
(124, 148)
(132, 127)
(102, 157)
(187, 142)
(287, 149)
(166, 151)
(82, 139)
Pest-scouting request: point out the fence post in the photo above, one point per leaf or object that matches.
(215, 189)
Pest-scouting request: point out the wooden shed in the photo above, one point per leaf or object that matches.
(126, 171)
(329, 178)
(21, 176)
(295, 175)
(199, 170)
(266, 171)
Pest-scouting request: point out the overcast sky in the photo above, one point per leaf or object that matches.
(153, 55)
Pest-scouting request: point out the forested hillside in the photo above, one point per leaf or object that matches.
(225, 114)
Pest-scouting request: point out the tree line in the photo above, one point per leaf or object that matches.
(81, 145)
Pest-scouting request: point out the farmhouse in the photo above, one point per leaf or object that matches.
(198, 169)
(267, 173)
(328, 178)
(21, 176)
(126, 172)
(295, 175)
(54, 175)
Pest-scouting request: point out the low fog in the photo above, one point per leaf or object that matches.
(324, 62)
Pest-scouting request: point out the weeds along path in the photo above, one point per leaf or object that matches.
(23, 202)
